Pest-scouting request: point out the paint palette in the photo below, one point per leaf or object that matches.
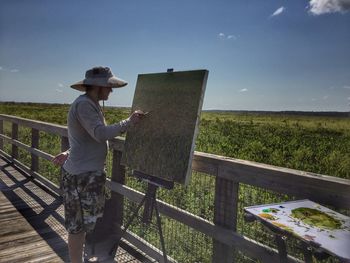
(317, 225)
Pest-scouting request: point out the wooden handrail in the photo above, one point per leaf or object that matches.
(320, 188)
(228, 172)
(39, 125)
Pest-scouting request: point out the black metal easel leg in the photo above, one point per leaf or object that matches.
(159, 224)
(116, 244)
(150, 202)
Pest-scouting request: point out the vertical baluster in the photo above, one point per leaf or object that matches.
(1, 132)
(15, 137)
(35, 144)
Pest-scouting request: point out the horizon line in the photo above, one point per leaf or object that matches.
(207, 110)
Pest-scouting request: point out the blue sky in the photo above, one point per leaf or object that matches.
(261, 55)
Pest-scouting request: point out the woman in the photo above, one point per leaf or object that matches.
(83, 164)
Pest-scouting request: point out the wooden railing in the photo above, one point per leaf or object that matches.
(228, 173)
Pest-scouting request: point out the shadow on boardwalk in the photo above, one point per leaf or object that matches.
(31, 218)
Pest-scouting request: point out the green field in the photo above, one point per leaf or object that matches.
(310, 143)
(319, 144)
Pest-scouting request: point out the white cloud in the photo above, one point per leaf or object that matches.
(278, 11)
(229, 37)
(346, 87)
(60, 85)
(325, 97)
(221, 35)
(233, 37)
(9, 70)
(243, 90)
(59, 90)
(313, 99)
(319, 7)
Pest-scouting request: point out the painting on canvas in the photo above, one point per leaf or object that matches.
(162, 144)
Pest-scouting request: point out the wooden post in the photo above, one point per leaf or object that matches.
(117, 200)
(35, 144)
(15, 137)
(112, 219)
(1, 132)
(225, 215)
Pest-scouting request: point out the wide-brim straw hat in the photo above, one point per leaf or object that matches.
(99, 76)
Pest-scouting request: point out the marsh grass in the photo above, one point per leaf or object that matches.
(316, 144)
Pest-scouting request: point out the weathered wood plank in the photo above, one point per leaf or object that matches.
(31, 250)
(26, 247)
(321, 188)
(39, 125)
(205, 163)
(12, 236)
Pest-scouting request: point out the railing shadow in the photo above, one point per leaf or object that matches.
(38, 205)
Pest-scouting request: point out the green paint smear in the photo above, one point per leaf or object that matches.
(268, 210)
(274, 210)
(267, 216)
(316, 218)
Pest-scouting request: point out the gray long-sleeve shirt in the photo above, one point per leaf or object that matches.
(88, 135)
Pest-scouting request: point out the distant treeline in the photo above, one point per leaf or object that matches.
(294, 113)
(41, 104)
(31, 103)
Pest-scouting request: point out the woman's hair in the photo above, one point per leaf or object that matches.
(89, 87)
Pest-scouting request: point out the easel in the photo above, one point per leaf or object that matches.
(150, 204)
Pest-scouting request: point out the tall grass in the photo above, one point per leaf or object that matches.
(311, 143)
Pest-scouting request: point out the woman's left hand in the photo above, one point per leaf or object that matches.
(60, 158)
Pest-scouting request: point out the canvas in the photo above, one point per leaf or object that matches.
(162, 144)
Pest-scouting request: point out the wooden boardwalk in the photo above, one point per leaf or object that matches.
(31, 222)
